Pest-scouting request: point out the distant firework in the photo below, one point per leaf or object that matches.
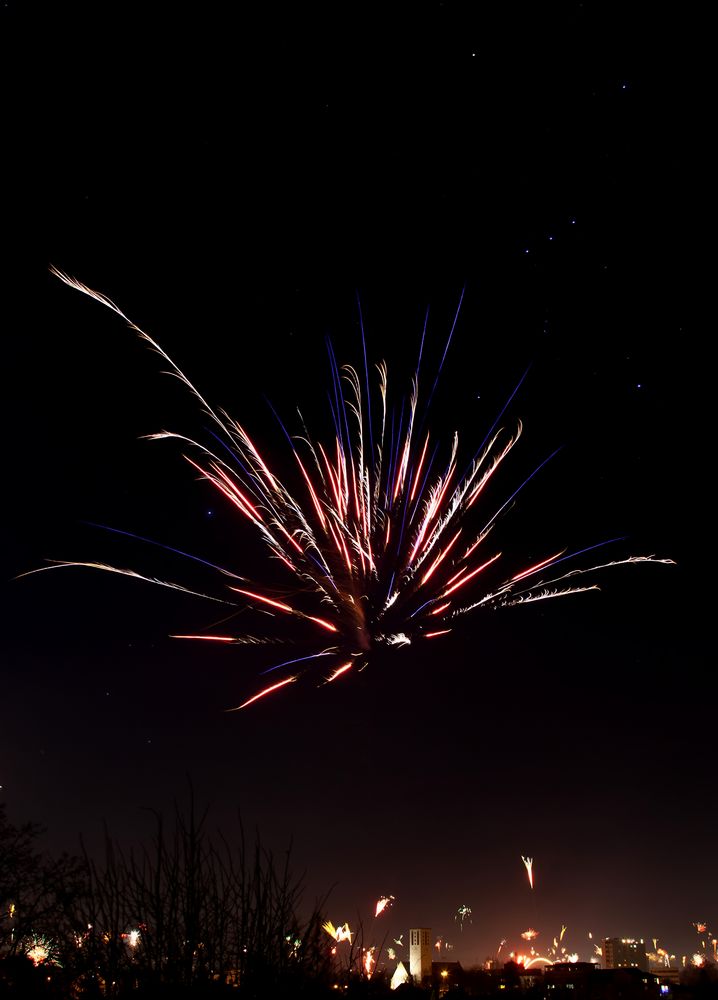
(385, 545)
(383, 903)
(41, 950)
(341, 933)
(529, 865)
(132, 938)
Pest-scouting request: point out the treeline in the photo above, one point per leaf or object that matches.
(185, 914)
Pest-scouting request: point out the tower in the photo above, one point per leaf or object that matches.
(420, 953)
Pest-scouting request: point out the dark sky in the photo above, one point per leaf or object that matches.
(233, 185)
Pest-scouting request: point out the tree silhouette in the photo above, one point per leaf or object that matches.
(186, 913)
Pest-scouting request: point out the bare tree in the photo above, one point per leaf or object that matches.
(190, 912)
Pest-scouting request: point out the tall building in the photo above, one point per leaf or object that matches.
(624, 953)
(420, 953)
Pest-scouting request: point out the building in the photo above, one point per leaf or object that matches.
(624, 953)
(420, 953)
(578, 977)
(400, 976)
(446, 976)
(585, 981)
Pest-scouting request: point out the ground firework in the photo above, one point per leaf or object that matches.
(385, 542)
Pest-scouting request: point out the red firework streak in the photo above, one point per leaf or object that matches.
(384, 543)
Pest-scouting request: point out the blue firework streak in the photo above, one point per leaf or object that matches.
(386, 544)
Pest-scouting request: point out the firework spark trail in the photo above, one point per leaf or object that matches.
(379, 551)
(341, 933)
(528, 961)
(383, 903)
(529, 865)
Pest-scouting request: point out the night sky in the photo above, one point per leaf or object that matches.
(234, 181)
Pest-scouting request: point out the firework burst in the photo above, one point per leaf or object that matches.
(385, 542)
(41, 950)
